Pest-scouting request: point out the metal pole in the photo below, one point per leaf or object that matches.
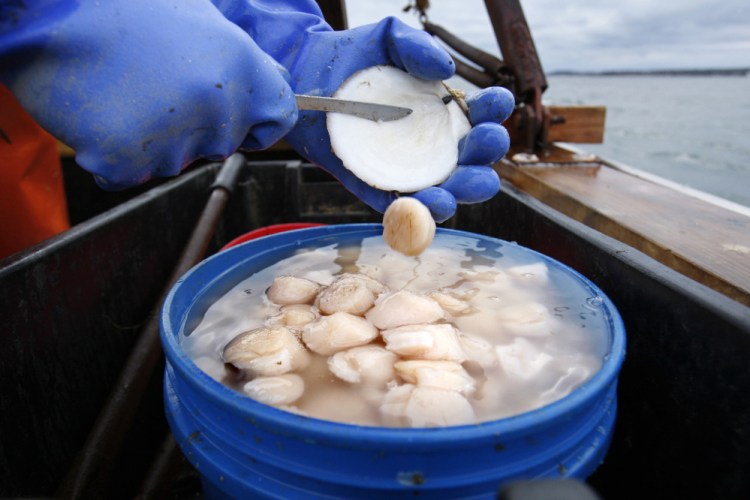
(517, 45)
(519, 52)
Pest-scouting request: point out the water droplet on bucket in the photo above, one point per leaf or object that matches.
(410, 478)
(594, 302)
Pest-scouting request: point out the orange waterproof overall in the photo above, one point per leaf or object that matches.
(32, 194)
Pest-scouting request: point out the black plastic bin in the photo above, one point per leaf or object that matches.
(72, 307)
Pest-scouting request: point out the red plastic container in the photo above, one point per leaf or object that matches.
(267, 230)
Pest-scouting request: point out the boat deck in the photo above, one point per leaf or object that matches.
(705, 239)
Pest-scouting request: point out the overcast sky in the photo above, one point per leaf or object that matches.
(600, 34)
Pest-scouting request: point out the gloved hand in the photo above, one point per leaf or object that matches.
(141, 88)
(474, 180)
(320, 59)
(340, 54)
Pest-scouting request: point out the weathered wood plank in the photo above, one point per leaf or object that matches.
(576, 124)
(701, 240)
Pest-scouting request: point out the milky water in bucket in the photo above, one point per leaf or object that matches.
(531, 335)
(244, 449)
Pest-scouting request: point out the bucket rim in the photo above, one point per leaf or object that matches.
(318, 429)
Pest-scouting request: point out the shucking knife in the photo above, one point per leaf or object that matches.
(368, 110)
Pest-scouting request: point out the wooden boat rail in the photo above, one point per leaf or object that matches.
(703, 238)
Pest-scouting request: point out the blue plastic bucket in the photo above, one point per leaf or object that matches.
(245, 449)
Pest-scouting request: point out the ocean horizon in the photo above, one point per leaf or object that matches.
(692, 130)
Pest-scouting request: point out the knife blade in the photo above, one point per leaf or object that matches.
(368, 110)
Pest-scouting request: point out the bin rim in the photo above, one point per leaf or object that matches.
(264, 231)
(312, 428)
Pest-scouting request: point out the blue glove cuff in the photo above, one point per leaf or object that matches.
(141, 88)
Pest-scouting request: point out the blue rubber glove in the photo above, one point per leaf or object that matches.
(141, 88)
(487, 142)
(320, 59)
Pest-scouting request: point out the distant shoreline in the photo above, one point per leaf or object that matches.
(661, 72)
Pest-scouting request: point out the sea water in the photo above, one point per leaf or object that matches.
(528, 365)
(692, 130)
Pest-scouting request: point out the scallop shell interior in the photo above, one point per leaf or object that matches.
(405, 155)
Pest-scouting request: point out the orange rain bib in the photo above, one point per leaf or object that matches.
(32, 194)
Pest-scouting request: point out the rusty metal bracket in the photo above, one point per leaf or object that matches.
(518, 49)
(517, 46)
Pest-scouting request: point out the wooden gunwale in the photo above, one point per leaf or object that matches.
(692, 233)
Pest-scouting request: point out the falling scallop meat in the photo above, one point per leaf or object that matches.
(408, 226)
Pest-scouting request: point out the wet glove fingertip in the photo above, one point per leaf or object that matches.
(472, 184)
(493, 104)
(441, 203)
